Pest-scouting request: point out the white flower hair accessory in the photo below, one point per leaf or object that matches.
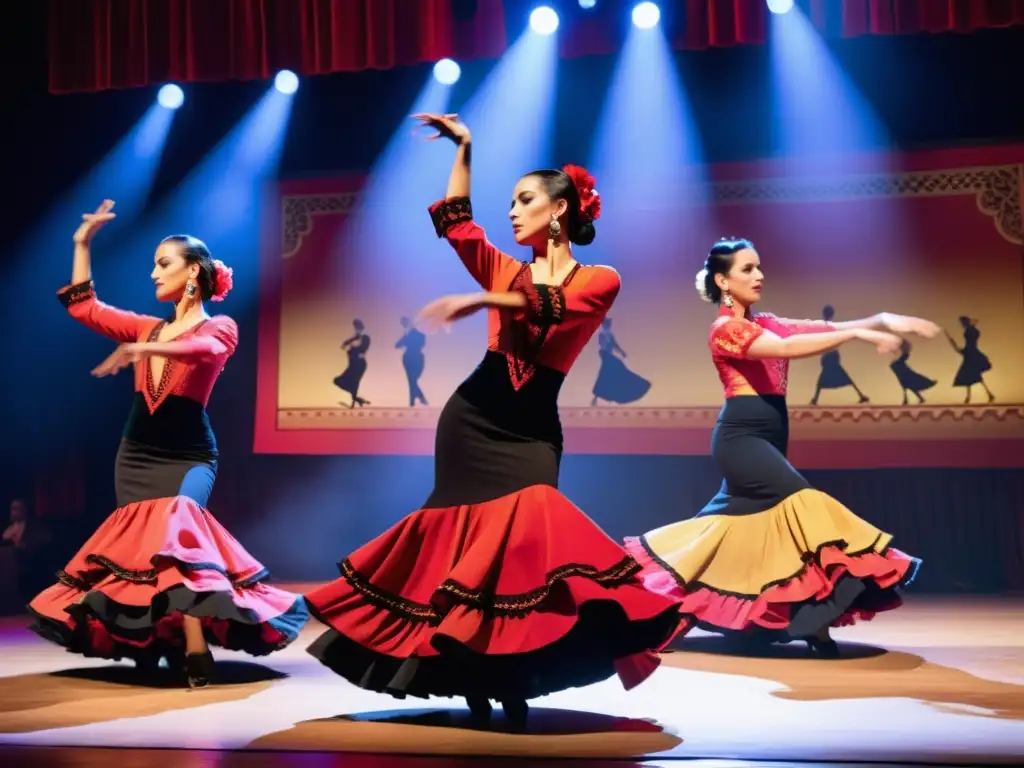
(700, 283)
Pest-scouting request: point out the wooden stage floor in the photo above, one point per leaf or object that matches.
(940, 681)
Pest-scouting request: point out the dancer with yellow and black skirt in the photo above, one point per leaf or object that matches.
(499, 588)
(770, 556)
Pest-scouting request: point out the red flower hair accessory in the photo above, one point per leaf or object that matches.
(222, 281)
(590, 200)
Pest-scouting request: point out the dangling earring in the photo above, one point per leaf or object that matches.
(190, 289)
(727, 299)
(554, 230)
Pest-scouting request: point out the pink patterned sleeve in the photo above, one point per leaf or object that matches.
(218, 337)
(734, 337)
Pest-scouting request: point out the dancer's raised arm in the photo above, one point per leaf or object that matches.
(79, 296)
(453, 216)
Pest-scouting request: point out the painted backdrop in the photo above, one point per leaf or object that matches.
(343, 370)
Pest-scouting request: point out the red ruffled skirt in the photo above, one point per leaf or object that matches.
(511, 598)
(152, 562)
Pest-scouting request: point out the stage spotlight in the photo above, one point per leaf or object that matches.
(780, 6)
(544, 20)
(646, 15)
(447, 72)
(587, 4)
(286, 81)
(170, 96)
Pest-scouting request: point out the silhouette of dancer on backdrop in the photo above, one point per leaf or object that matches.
(833, 375)
(413, 360)
(975, 362)
(909, 379)
(357, 347)
(615, 383)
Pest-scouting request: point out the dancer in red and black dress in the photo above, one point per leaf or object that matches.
(498, 588)
(161, 578)
(770, 556)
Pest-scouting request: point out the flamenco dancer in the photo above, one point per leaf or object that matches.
(356, 347)
(770, 556)
(161, 578)
(499, 588)
(975, 362)
(833, 375)
(414, 361)
(615, 383)
(909, 379)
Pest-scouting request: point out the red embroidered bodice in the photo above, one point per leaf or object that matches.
(731, 337)
(209, 345)
(558, 320)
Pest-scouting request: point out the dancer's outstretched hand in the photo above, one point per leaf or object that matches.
(441, 313)
(885, 343)
(447, 126)
(903, 324)
(121, 358)
(93, 222)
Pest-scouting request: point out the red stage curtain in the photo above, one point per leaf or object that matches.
(99, 44)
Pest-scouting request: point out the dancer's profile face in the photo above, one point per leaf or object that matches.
(171, 272)
(745, 278)
(532, 211)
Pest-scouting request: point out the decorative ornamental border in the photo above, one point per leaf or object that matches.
(997, 191)
(299, 212)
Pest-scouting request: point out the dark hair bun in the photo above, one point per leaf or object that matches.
(579, 227)
(584, 234)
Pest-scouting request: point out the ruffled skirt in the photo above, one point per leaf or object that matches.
(155, 560)
(498, 588)
(770, 554)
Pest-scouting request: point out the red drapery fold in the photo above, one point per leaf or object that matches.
(100, 44)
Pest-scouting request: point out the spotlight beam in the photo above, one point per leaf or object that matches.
(646, 15)
(286, 82)
(170, 96)
(544, 20)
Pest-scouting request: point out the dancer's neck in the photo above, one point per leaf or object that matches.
(553, 258)
(187, 309)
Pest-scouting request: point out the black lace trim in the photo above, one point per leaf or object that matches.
(157, 390)
(450, 212)
(147, 576)
(809, 558)
(77, 293)
(516, 605)
(136, 577)
(526, 338)
(545, 304)
(68, 580)
(495, 605)
(389, 602)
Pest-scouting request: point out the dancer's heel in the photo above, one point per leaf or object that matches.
(479, 709)
(825, 649)
(516, 712)
(199, 669)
